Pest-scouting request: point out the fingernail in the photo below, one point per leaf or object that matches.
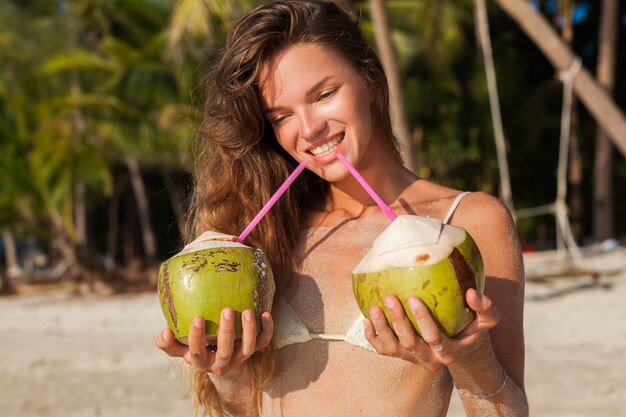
(412, 302)
(388, 302)
(228, 313)
(198, 322)
(247, 316)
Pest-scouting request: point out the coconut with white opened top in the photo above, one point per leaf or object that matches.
(209, 274)
(423, 257)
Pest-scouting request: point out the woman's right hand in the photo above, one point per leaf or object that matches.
(230, 353)
(432, 349)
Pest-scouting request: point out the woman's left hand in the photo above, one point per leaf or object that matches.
(433, 349)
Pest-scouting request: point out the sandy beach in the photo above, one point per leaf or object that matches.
(64, 355)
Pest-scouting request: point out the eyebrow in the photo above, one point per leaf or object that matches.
(310, 91)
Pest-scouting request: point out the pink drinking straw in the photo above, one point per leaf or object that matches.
(272, 201)
(384, 207)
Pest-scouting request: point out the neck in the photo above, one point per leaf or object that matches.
(384, 173)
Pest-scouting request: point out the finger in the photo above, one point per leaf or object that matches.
(267, 331)
(401, 323)
(168, 343)
(225, 342)
(248, 336)
(385, 334)
(198, 355)
(426, 324)
(370, 335)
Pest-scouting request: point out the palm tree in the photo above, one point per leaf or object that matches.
(28, 36)
(160, 119)
(97, 99)
(137, 114)
(67, 155)
(196, 24)
(14, 195)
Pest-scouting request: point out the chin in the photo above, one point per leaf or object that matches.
(335, 175)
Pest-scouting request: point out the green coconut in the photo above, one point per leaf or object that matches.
(420, 256)
(212, 273)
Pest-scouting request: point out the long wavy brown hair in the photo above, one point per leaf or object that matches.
(239, 163)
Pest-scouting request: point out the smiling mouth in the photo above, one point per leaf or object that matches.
(328, 147)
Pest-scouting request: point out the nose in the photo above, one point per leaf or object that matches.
(312, 123)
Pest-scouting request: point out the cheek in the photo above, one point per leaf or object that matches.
(361, 103)
(285, 138)
(363, 110)
(366, 104)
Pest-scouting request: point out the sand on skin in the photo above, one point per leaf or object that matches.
(70, 356)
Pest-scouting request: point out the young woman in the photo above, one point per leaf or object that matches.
(297, 80)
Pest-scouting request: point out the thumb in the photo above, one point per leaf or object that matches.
(486, 311)
(166, 341)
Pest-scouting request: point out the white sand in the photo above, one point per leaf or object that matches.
(94, 356)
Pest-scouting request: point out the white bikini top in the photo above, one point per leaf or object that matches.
(290, 330)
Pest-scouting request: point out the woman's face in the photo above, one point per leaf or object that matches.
(317, 105)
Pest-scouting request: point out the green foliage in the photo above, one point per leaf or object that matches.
(86, 83)
(81, 87)
(445, 96)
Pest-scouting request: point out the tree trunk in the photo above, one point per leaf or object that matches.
(591, 93)
(128, 232)
(390, 63)
(143, 210)
(113, 229)
(80, 213)
(65, 247)
(10, 256)
(80, 224)
(176, 195)
(575, 173)
(80, 129)
(603, 216)
(576, 204)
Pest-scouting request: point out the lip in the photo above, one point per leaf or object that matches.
(330, 156)
(321, 160)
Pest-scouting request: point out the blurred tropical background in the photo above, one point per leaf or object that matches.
(99, 101)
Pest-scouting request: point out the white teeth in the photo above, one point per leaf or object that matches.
(328, 147)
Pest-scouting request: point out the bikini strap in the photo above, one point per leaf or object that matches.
(454, 205)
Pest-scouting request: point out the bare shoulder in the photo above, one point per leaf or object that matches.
(489, 222)
(482, 212)
(485, 217)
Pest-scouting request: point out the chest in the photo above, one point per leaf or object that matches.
(321, 293)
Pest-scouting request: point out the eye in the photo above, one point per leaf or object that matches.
(278, 119)
(327, 94)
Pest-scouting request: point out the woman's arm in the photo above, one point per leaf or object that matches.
(222, 370)
(485, 360)
(491, 378)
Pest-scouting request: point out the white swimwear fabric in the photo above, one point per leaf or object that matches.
(290, 330)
